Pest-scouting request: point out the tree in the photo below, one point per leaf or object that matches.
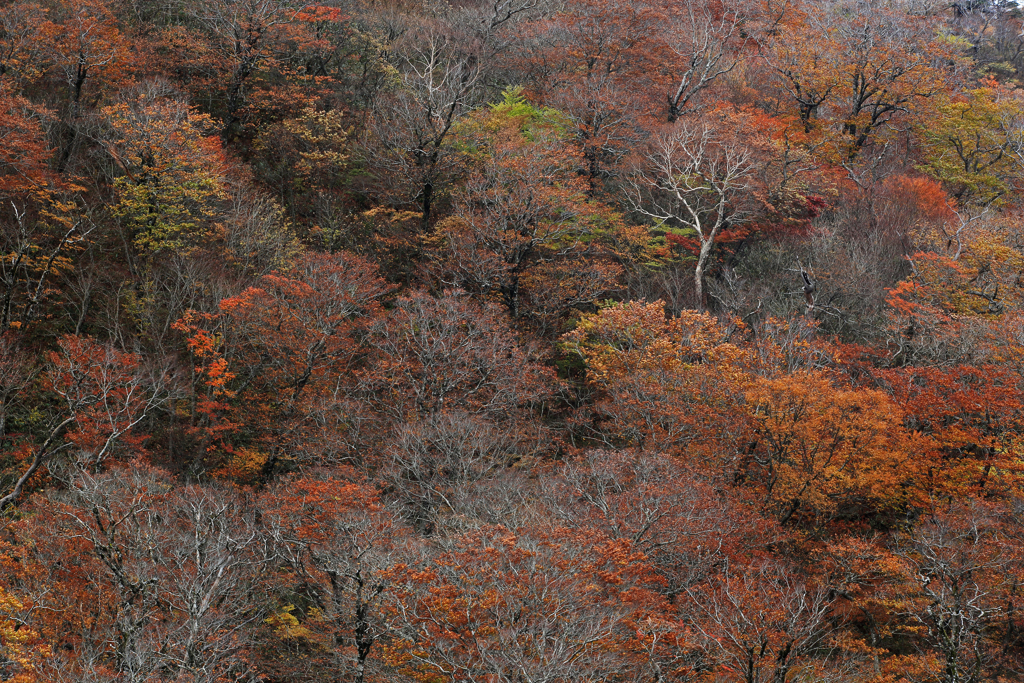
(803, 62)
(289, 344)
(701, 39)
(39, 248)
(762, 622)
(824, 451)
(669, 385)
(460, 397)
(23, 27)
(969, 144)
(244, 33)
(683, 520)
(42, 224)
(521, 224)
(349, 48)
(16, 372)
(956, 567)
(170, 573)
(696, 178)
(446, 354)
(172, 174)
(21, 649)
(23, 157)
(315, 309)
(969, 417)
(336, 541)
(859, 68)
(102, 394)
(510, 607)
(595, 62)
(259, 238)
(85, 44)
(436, 466)
(411, 125)
(867, 578)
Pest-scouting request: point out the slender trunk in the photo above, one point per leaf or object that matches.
(70, 125)
(673, 109)
(37, 295)
(510, 296)
(248, 59)
(234, 103)
(698, 287)
(698, 274)
(82, 314)
(428, 198)
(364, 638)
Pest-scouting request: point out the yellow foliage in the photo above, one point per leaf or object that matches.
(323, 136)
(171, 172)
(286, 625)
(18, 644)
(244, 465)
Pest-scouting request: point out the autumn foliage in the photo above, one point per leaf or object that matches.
(511, 341)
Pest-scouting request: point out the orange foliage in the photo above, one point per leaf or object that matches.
(822, 452)
(292, 339)
(971, 420)
(671, 385)
(23, 148)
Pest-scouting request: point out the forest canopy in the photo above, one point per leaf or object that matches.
(511, 341)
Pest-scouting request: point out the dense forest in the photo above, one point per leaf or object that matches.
(511, 341)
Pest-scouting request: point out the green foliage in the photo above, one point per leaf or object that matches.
(514, 105)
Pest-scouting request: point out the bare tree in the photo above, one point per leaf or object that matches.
(699, 38)
(957, 577)
(672, 515)
(762, 622)
(410, 131)
(340, 541)
(103, 394)
(693, 178)
(173, 570)
(508, 608)
(434, 464)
